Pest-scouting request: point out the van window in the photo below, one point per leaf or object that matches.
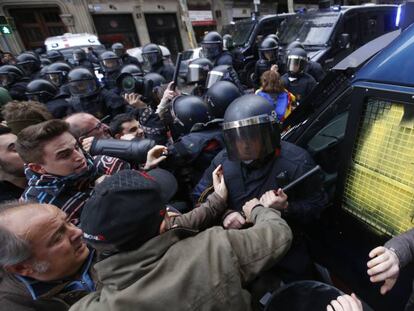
(379, 187)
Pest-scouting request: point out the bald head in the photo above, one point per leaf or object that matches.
(85, 125)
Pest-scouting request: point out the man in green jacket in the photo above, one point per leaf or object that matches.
(180, 269)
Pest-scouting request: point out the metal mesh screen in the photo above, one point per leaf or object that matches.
(379, 188)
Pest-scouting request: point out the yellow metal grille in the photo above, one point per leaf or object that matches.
(379, 188)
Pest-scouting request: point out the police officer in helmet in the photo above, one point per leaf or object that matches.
(152, 55)
(223, 73)
(87, 96)
(30, 64)
(296, 80)
(111, 66)
(55, 56)
(212, 48)
(120, 51)
(268, 56)
(197, 74)
(14, 80)
(80, 59)
(57, 73)
(220, 96)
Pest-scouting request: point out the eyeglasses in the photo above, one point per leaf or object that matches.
(98, 126)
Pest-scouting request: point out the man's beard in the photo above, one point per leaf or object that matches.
(10, 170)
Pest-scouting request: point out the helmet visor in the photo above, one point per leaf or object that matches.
(211, 50)
(5, 79)
(250, 142)
(111, 64)
(213, 77)
(119, 52)
(82, 88)
(56, 78)
(270, 54)
(195, 73)
(28, 67)
(296, 64)
(151, 58)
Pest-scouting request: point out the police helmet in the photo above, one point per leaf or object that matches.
(293, 45)
(82, 83)
(28, 62)
(110, 62)
(198, 70)
(273, 36)
(188, 110)
(57, 73)
(212, 45)
(250, 129)
(79, 55)
(228, 43)
(55, 56)
(132, 69)
(41, 90)
(297, 60)
(156, 78)
(10, 74)
(118, 48)
(269, 49)
(44, 62)
(220, 96)
(152, 54)
(216, 74)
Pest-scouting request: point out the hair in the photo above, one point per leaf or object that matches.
(76, 128)
(117, 121)
(13, 249)
(271, 82)
(21, 114)
(31, 141)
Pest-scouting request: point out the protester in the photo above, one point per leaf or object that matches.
(126, 126)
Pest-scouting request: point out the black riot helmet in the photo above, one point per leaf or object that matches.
(28, 62)
(198, 70)
(269, 49)
(188, 110)
(250, 129)
(216, 74)
(156, 78)
(293, 45)
(220, 96)
(44, 62)
(297, 60)
(273, 36)
(110, 62)
(82, 83)
(152, 54)
(132, 70)
(212, 45)
(55, 56)
(57, 73)
(41, 90)
(10, 74)
(79, 55)
(118, 48)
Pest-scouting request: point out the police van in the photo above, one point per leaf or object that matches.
(331, 33)
(69, 41)
(358, 124)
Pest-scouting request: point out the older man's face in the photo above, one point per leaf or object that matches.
(58, 250)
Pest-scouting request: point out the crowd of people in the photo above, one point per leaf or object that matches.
(132, 192)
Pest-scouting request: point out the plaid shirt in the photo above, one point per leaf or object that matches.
(71, 192)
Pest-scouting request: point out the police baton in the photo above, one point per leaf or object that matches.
(177, 70)
(298, 180)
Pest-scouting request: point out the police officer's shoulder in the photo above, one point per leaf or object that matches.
(220, 157)
(308, 77)
(293, 153)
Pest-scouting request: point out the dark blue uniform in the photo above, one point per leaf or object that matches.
(301, 86)
(225, 58)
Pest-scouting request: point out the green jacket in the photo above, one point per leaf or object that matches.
(181, 270)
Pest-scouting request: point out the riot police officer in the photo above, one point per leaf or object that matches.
(55, 56)
(57, 73)
(111, 66)
(296, 80)
(87, 96)
(120, 51)
(197, 73)
(212, 47)
(152, 54)
(47, 93)
(13, 79)
(268, 56)
(30, 64)
(220, 96)
(80, 59)
(223, 73)
(197, 141)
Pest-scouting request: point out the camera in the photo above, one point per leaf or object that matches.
(134, 151)
(129, 83)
